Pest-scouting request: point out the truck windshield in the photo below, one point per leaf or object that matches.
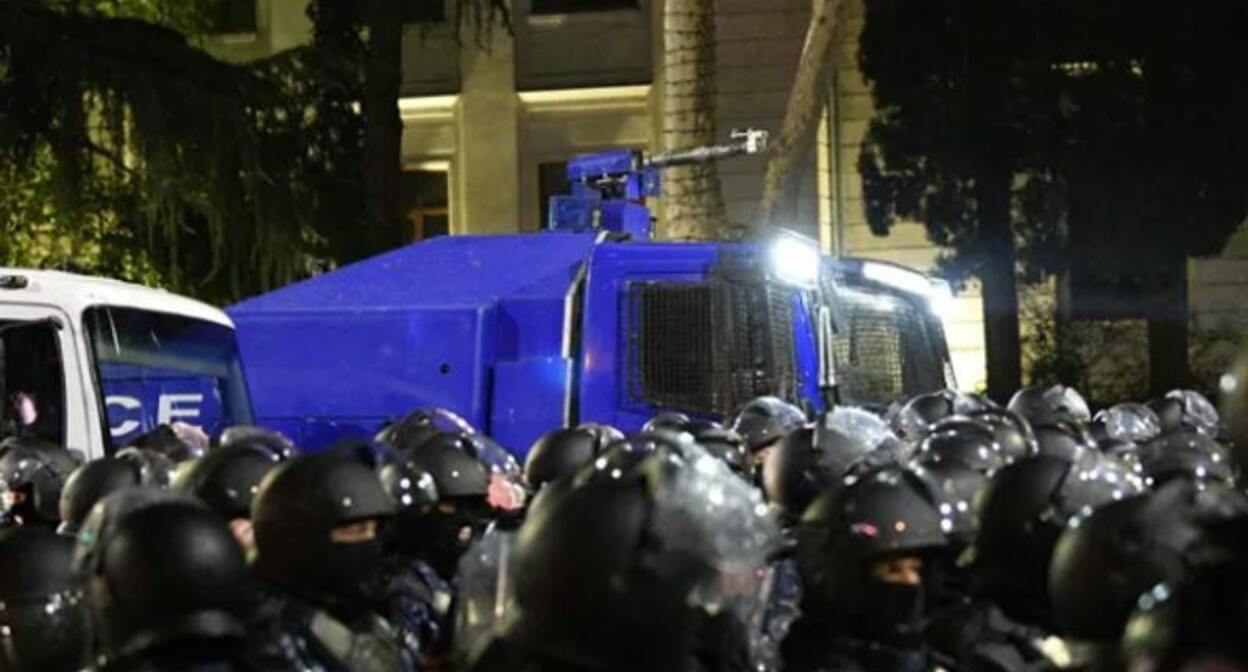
(887, 348)
(158, 368)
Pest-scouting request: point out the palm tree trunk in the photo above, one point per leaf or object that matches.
(693, 199)
(806, 102)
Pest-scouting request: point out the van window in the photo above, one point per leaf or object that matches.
(34, 380)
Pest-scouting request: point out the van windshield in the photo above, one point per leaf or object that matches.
(159, 368)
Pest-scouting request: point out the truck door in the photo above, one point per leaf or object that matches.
(664, 329)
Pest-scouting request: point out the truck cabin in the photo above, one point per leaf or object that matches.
(91, 363)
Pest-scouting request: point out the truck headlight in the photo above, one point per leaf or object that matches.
(940, 298)
(794, 260)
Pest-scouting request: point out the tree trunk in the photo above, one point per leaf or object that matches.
(383, 127)
(693, 199)
(801, 116)
(1000, 285)
(1168, 366)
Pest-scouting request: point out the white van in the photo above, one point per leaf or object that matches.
(91, 363)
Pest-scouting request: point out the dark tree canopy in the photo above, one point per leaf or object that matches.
(127, 150)
(143, 136)
(1116, 127)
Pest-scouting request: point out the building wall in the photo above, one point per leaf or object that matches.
(758, 46)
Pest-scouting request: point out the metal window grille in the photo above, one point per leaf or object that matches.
(710, 347)
(884, 352)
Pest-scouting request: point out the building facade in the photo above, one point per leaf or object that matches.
(488, 125)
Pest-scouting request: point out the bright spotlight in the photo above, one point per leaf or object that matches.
(795, 260)
(940, 297)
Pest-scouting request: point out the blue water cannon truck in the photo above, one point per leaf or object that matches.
(589, 320)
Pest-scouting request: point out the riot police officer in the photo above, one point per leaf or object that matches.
(864, 551)
(32, 474)
(464, 481)
(44, 624)
(226, 480)
(317, 522)
(763, 422)
(169, 592)
(1021, 514)
(649, 565)
(409, 593)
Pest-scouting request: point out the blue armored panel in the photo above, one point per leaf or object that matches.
(423, 326)
(594, 166)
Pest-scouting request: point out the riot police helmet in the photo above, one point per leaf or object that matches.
(156, 468)
(721, 442)
(177, 441)
(89, 484)
(107, 514)
(955, 487)
(1129, 422)
(1188, 455)
(1064, 440)
(1046, 405)
(1022, 512)
(260, 437)
(764, 421)
(560, 453)
(1102, 564)
(44, 624)
(1012, 432)
(453, 461)
(170, 574)
(226, 479)
(916, 416)
(421, 425)
(671, 421)
(961, 439)
(1197, 412)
